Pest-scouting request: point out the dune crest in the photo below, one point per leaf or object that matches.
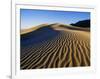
(24, 31)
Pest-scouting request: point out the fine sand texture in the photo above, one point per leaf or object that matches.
(55, 46)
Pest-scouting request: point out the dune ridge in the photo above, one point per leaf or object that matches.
(55, 46)
(24, 31)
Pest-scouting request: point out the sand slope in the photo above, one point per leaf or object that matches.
(55, 46)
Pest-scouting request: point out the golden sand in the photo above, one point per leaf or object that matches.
(70, 48)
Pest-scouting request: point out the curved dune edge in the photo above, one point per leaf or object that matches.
(70, 48)
(33, 28)
(28, 30)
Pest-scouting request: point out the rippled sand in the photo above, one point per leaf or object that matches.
(55, 46)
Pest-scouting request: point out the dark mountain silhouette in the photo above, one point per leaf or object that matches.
(84, 23)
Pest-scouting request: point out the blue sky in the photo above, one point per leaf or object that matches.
(33, 17)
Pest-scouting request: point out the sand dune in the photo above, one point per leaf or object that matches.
(24, 31)
(55, 46)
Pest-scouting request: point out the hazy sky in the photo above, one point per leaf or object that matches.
(32, 17)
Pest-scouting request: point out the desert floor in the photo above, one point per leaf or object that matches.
(55, 46)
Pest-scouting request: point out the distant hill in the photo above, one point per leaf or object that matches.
(84, 23)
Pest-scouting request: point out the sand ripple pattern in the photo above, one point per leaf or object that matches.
(70, 48)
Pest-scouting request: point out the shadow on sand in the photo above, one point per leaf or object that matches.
(39, 35)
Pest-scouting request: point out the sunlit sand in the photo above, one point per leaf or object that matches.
(55, 46)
